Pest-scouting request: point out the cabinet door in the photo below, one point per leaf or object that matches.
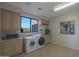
(12, 47)
(0, 32)
(6, 19)
(16, 22)
(44, 22)
(8, 47)
(8, 50)
(0, 22)
(47, 22)
(0, 47)
(19, 46)
(10, 20)
(47, 39)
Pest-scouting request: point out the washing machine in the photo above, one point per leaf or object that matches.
(30, 44)
(40, 41)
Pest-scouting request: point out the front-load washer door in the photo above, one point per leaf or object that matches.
(41, 41)
(31, 46)
(32, 43)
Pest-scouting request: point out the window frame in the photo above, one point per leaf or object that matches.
(30, 23)
(36, 20)
(20, 24)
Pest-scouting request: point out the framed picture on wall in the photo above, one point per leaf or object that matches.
(67, 27)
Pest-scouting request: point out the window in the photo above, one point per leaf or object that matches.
(25, 24)
(29, 24)
(34, 25)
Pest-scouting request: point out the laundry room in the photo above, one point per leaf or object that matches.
(39, 29)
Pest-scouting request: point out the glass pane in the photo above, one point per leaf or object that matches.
(25, 24)
(34, 25)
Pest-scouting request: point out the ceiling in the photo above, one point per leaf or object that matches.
(43, 9)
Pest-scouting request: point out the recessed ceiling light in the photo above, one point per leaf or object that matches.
(64, 6)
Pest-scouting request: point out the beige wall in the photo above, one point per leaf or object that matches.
(67, 40)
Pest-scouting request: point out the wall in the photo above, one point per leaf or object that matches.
(66, 40)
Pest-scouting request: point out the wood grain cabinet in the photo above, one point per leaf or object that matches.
(9, 23)
(0, 47)
(0, 32)
(12, 47)
(10, 20)
(47, 39)
(44, 22)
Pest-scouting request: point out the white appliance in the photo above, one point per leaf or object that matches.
(40, 41)
(33, 43)
(30, 44)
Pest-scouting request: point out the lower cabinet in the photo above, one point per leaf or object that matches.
(0, 47)
(47, 39)
(0, 31)
(12, 47)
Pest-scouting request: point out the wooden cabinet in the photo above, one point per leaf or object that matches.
(47, 39)
(0, 47)
(0, 32)
(0, 21)
(16, 22)
(9, 23)
(12, 47)
(10, 20)
(44, 22)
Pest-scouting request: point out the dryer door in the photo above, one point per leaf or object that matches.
(41, 41)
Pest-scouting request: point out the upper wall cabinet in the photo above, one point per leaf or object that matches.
(44, 22)
(10, 20)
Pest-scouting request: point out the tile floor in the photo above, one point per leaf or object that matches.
(52, 51)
